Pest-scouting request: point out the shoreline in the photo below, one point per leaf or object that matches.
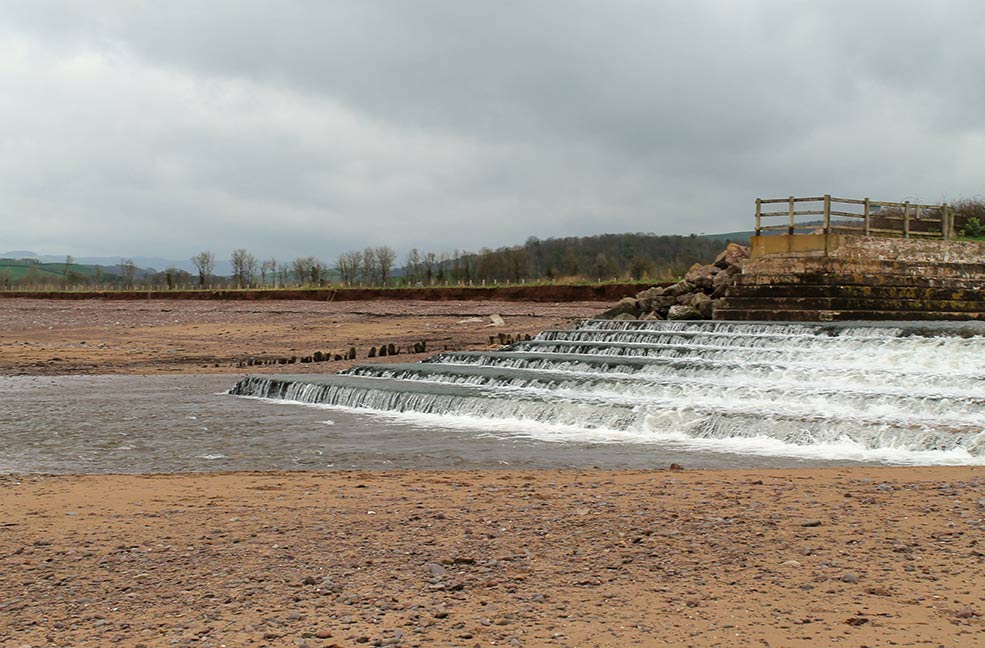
(864, 556)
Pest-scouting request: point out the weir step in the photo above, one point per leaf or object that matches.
(862, 279)
(813, 315)
(766, 291)
(849, 303)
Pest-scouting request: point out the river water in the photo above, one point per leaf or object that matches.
(605, 394)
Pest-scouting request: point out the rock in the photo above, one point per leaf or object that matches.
(309, 580)
(623, 317)
(849, 577)
(703, 304)
(626, 305)
(681, 312)
(810, 523)
(965, 613)
(679, 288)
(496, 320)
(646, 317)
(650, 293)
(436, 569)
(733, 254)
(653, 299)
(702, 276)
(790, 563)
(324, 633)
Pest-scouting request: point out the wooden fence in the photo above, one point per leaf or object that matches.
(866, 217)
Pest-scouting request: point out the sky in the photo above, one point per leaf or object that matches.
(295, 128)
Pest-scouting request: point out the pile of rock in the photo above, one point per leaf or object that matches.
(694, 297)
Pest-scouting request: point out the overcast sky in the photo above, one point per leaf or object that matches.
(311, 127)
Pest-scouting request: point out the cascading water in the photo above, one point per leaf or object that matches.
(904, 388)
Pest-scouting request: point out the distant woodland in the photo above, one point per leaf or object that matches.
(606, 257)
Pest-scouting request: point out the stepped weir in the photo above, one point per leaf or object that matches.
(864, 260)
(908, 388)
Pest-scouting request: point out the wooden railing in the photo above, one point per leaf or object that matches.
(866, 217)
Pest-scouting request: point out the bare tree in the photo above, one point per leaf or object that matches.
(268, 268)
(129, 270)
(244, 267)
(369, 272)
(412, 268)
(385, 257)
(205, 264)
(349, 265)
(309, 270)
(429, 263)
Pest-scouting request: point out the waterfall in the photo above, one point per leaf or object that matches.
(907, 387)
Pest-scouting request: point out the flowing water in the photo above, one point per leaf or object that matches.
(910, 393)
(605, 394)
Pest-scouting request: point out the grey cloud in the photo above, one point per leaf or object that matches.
(308, 128)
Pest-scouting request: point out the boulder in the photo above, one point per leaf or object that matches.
(646, 317)
(703, 304)
(650, 293)
(624, 317)
(723, 280)
(682, 312)
(655, 304)
(701, 276)
(679, 288)
(733, 254)
(625, 306)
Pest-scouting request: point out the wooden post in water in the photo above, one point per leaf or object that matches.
(906, 219)
(790, 213)
(759, 218)
(866, 214)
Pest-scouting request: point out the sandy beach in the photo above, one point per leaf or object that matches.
(810, 557)
(864, 557)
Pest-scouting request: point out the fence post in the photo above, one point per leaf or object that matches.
(866, 215)
(945, 222)
(790, 212)
(906, 219)
(759, 211)
(827, 214)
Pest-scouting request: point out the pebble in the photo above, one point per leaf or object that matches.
(323, 633)
(810, 523)
(436, 569)
(849, 577)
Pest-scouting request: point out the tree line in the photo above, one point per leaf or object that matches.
(606, 257)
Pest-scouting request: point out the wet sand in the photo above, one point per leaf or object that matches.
(46, 337)
(862, 557)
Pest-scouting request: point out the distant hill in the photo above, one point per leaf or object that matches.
(738, 237)
(16, 269)
(149, 264)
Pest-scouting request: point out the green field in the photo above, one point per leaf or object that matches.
(16, 269)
